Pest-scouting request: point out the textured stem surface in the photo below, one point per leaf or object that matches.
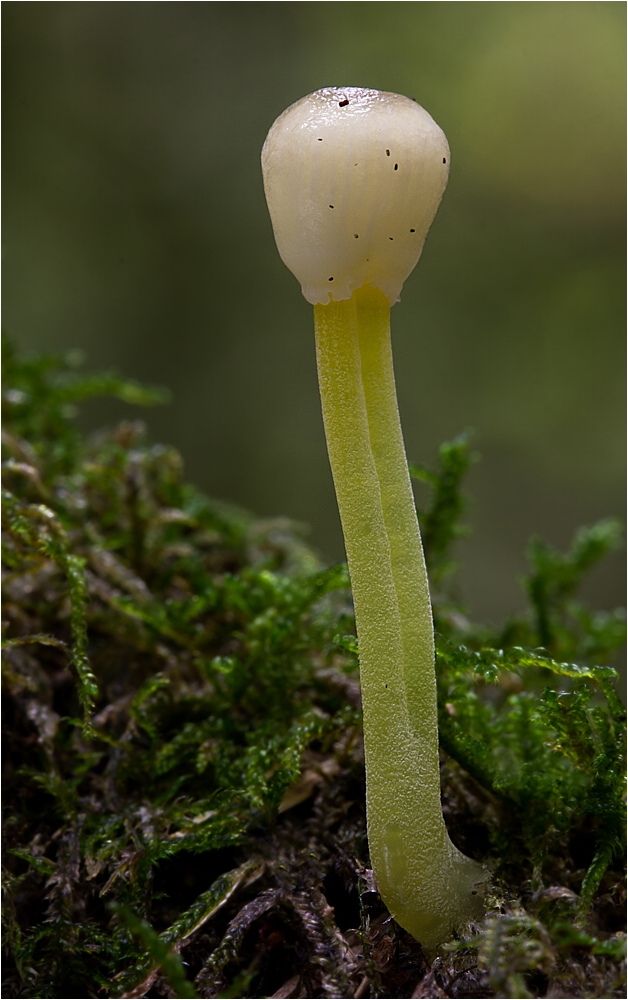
(427, 884)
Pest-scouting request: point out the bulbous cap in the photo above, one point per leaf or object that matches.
(353, 179)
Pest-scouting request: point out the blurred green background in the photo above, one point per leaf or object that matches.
(136, 229)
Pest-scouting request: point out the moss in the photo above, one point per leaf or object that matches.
(183, 764)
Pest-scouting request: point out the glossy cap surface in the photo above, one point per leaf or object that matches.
(353, 179)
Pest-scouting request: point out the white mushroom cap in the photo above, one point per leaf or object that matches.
(353, 179)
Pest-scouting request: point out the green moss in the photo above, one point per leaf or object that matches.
(183, 769)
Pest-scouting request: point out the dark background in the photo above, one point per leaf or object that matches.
(136, 229)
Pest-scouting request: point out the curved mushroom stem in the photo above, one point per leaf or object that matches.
(427, 884)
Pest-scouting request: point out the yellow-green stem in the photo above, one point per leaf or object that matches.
(427, 884)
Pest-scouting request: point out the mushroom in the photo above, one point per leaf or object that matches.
(353, 179)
